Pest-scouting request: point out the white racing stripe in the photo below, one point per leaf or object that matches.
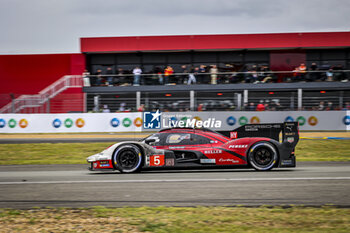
(176, 180)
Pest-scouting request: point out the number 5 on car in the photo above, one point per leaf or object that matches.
(157, 160)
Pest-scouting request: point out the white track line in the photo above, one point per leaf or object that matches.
(175, 180)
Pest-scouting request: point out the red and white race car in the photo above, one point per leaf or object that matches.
(261, 146)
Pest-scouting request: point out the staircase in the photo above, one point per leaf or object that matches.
(40, 103)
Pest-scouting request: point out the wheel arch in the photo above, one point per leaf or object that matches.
(126, 144)
(275, 144)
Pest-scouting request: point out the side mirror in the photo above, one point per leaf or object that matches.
(150, 140)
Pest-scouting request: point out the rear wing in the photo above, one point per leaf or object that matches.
(290, 131)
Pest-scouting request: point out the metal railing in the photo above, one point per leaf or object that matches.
(44, 96)
(217, 78)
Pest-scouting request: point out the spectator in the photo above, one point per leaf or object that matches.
(201, 76)
(137, 76)
(260, 107)
(120, 77)
(329, 75)
(86, 78)
(296, 75)
(234, 78)
(313, 75)
(302, 70)
(213, 74)
(168, 73)
(106, 109)
(141, 108)
(122, 107)
(276, 105)
(98, 77)
(252, 75)
(158, 71)
(266, 105)
(200, 108)
(251, 106)
(184, 71)
(329, 106)
(321, 106)
(192, 77)
(109, 79)
(347, 106)
(338, 74)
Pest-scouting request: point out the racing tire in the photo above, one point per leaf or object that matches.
(263, 156)
(127, 159)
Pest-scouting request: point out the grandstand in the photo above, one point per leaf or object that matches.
(52, 83)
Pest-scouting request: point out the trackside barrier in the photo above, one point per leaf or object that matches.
(133, 122)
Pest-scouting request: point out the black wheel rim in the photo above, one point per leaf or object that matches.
(263, 156)
(128, 159)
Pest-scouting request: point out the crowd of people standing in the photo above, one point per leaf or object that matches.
(211, 74)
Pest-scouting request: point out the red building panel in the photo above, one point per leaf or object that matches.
(29, 74)
(207, 42)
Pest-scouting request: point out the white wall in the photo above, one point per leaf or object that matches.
(132, 122)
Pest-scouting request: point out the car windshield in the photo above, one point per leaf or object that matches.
(155, 136)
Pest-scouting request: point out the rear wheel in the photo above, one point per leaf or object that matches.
(127, 159)
(263, 156)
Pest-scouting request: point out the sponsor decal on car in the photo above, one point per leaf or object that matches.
(208, 161)
(238, 146)
(290, 139)
(233, 135)
(156, 160)
(212, 151)
(286, 162)
(257, 127)
(228, 160)
(170, 162)
(176, 147)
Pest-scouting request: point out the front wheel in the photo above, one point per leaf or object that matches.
(263, 156)
(127, 159)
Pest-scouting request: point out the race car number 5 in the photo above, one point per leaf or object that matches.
(157, 160)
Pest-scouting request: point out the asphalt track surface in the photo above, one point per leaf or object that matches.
(310, 184)
(70, 138)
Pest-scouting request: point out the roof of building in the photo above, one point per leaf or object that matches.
(216, 42)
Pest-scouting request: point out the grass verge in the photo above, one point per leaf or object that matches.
(323, 150)
(76, 153)
(177, 219)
